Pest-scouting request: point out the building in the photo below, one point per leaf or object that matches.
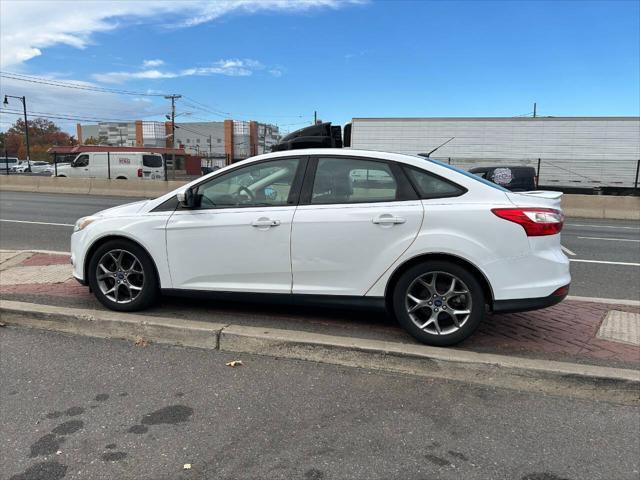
(580, 152)
(223, 142)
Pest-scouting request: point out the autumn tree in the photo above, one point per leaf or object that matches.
(43, 134)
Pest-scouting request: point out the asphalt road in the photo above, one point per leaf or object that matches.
(605, 254)
(79, 408)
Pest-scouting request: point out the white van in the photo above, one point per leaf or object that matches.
(7, 163)
(121, 165)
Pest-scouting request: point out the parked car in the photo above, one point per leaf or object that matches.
(432, 243)
(19, 167)
(118, 165)
(516, 179)
(36, 167)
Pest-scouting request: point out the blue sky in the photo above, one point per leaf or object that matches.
(278, 60)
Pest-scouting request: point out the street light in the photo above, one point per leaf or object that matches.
(26, 125)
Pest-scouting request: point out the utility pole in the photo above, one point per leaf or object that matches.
(173, 99)
(26, 125)
(535, 110)
(315, 117)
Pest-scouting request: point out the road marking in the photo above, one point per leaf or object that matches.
(566, 250)
(38, 223)
(614, 239)
(600, 226)
(631, 264)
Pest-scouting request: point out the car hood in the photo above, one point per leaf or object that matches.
(123, 210)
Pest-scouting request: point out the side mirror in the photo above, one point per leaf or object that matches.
(187, 198)
(73, 163)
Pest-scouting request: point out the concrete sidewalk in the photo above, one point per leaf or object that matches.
(575, 331)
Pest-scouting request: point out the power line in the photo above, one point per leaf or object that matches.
(62, 116)
(215, 111)
(58, 83)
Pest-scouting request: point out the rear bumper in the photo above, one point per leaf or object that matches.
(526, 304)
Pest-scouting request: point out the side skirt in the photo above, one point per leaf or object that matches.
(355, 302)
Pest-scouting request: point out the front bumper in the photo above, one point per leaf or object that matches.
(526, 304)
(78, 252)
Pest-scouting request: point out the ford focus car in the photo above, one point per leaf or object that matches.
(435, 245)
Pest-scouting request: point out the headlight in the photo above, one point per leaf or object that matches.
(83, 222)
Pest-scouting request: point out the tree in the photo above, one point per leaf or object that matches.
(43, 134)
(101, 140)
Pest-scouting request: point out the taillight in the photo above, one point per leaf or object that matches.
(140, 172)
(536, 222)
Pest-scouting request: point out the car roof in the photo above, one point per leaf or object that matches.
(343, 152)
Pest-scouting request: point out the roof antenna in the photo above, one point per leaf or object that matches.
(441, 145)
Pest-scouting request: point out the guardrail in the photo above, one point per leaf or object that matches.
(88, 186)
(585, 206)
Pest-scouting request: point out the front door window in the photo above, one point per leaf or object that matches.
(257, 185)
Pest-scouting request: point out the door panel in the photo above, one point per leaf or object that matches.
(343, 249)
(239, 238)
(244, 249)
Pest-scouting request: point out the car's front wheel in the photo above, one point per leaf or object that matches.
(122, 276)
(439, 303)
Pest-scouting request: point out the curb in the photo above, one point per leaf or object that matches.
(450, 363)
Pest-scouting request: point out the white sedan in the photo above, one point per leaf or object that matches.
(433, 244)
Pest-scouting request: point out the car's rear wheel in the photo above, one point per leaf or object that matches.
(122, 276)
(439, 303)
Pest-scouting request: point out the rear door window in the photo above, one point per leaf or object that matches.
(349, 180)
(152, 161)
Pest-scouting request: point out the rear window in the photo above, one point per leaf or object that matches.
(152, 161)
(466, 174)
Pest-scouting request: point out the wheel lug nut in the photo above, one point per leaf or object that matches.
(429, 303)
(435, 309)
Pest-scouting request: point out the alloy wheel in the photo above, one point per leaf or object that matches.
(120, 276)
(438, 303)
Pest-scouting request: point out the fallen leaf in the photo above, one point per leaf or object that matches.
(187, 466)
(234, 363)
(141, 342)
(59, 452)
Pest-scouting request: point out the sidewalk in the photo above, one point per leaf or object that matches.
(576, 331)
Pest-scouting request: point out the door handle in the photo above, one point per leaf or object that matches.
(265, 222)
(387, 219)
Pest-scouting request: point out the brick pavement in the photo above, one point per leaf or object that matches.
(565, 331)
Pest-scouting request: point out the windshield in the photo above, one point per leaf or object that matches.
(465, 173)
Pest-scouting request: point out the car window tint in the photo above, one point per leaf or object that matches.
(82, 161)
(348, 180)
(432, 186)
(262, 184)
(152, 161)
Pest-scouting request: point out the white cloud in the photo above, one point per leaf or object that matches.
(230, 67)
(152, 63)
(28, 27)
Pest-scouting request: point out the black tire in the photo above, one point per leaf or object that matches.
(148, 283)
(409, 280)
